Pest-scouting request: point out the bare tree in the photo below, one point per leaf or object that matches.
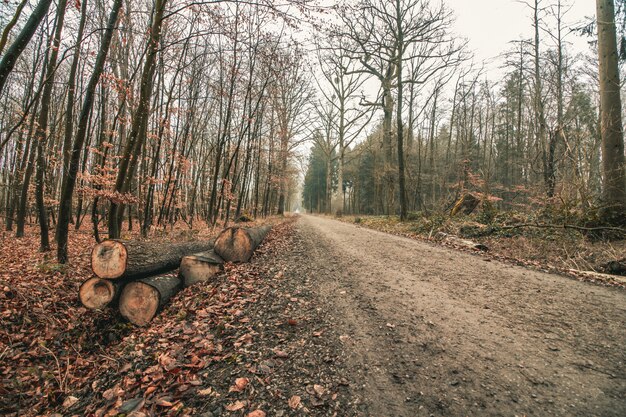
(69, 183)
(611, 114)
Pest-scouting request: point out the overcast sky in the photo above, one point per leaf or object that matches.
(491, 24)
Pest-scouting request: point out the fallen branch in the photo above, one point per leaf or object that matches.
(598, 275)
(462, 242)
(565, 226)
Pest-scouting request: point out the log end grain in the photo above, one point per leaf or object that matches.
(139, 303)
(200, 267)
(96, 293)
(109, 259)
(234, 245)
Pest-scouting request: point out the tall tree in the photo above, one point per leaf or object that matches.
(138, 133)
(42, 126)
(69, 183)
(611, 114)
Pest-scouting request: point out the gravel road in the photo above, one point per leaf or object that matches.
(426, 330)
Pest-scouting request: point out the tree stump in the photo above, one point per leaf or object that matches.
(466, 204)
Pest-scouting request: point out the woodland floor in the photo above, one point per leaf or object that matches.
(328, 319)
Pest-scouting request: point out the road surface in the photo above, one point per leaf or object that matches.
(432, 331)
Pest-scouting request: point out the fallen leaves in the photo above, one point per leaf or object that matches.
(163, 403)
(240, 385)
(237, 405)
(162, 369)
(294, 402)
(281, 354)
(319, 390)
(205, 392)
(69, 401)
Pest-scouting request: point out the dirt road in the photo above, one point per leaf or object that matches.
(430, 331)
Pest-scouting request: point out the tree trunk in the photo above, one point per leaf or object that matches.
(237, 244)
(9, 26)
(71, 91)
(611, 115)
(400, 127)
(21, 41)
(141, 300)
(67, 190)
(42, 128)
(115, 259)
(467, 204)
(138, 132)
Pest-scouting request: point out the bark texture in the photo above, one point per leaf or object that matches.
(611, 114)
(21, 41)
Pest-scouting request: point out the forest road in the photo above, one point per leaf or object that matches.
(431, 331)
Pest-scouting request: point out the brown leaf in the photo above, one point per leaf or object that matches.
(319, 390)
(110, 393)
(69, 401)
(205, 392)
(149, 390)
(237, 405)
(281, 354)
(256, 413)
(294, 402)
(240, 385)
(164, 403)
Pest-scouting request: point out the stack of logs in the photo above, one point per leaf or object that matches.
(137, 276)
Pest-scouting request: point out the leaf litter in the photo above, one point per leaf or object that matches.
(251, 343)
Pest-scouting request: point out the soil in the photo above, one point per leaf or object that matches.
(429, 331)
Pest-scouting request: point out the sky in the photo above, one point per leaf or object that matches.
(490, 25)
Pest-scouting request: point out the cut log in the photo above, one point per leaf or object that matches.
(237, 244)
(200, 267)
(142, 299)
(97, 293)
(115, 259)
(462, 242)
(466, 204)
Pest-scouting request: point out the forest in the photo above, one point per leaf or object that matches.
(143, 115)
(142, 141)
(535, 139)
